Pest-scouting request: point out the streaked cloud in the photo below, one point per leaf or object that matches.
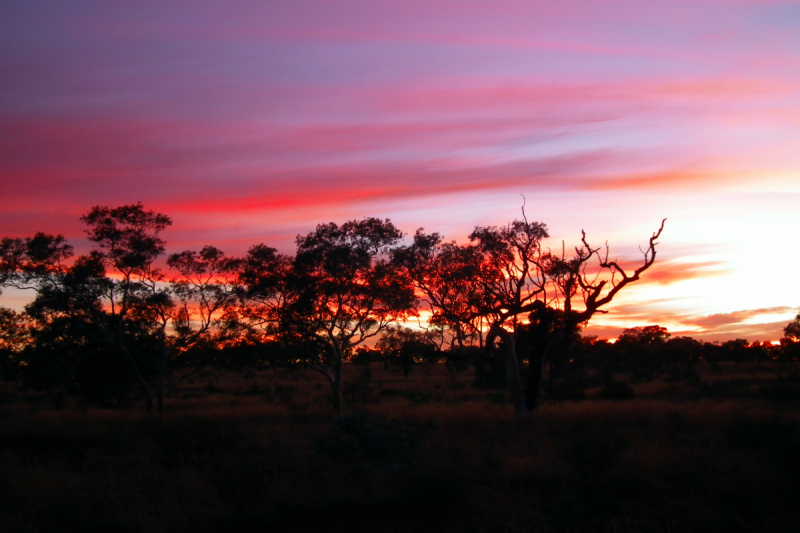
(255, 121)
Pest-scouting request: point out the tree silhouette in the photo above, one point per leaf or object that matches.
(127, 241)
(504, 275)
(344, 293)
(792, 329)
(266, 289)
(34, 262)
(406, 347)
(206, 289)
(450, 276)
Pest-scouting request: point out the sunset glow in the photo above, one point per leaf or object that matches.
(252, 122)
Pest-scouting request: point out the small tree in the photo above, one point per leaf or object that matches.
(207, 294)
(404, 347)
(641, 349)
(128, 242)
(64, 347)
(343, 293)
(792, 329)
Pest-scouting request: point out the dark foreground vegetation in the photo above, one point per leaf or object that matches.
(117, 314)
(431, 452)
(282, 393)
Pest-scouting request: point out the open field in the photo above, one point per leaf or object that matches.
(427, 452)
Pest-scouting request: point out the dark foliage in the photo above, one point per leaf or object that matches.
(358, 437)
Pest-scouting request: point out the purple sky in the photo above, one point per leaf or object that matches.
(252, 122)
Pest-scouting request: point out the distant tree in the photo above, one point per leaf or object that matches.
(343, 293)
(207, 293)
(405, 348)
(645, 335)
(641, 350)
(265, 281)
(681, 355)
(14, 337)
(792, 330)
(790, 343)
(735, 350)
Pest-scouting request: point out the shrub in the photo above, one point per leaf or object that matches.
(573, 389)
(359, 437)
(617, 390)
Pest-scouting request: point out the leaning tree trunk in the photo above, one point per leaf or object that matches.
(162, 370)
(512, 369)
(536, 362)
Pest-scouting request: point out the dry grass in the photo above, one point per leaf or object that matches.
(231, 455)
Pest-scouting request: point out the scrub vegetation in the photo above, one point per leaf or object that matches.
(262, 451)
(204, 392)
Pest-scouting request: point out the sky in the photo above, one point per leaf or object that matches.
(253, 121)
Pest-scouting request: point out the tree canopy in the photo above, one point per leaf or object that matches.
(344, 287)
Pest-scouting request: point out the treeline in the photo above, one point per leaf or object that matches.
(121, 318)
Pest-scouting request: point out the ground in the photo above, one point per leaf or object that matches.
(263, 452)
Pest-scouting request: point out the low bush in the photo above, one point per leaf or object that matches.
(617, 390)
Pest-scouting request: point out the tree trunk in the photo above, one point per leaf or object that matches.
(533, 389)
(512, 369)
(536, 364)
(336, 387)
(334, 375)
(148, 398)
(162, 370)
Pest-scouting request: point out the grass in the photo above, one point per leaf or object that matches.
(718, 454)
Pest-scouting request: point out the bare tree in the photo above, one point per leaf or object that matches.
(506, 277)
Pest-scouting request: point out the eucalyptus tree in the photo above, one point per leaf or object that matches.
(128, 242)
(343, 292)
(33, 263)
(265, 290)
(64, 317)
(405, 347)
(450, 276)
(39, 264)
(207, 293)
(507, 278)
(583, 284)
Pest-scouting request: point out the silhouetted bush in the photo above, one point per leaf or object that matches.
(359, 437)
(359, 392)
(783, 389)
(616, 390)
(490, 373)
(566, 389)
